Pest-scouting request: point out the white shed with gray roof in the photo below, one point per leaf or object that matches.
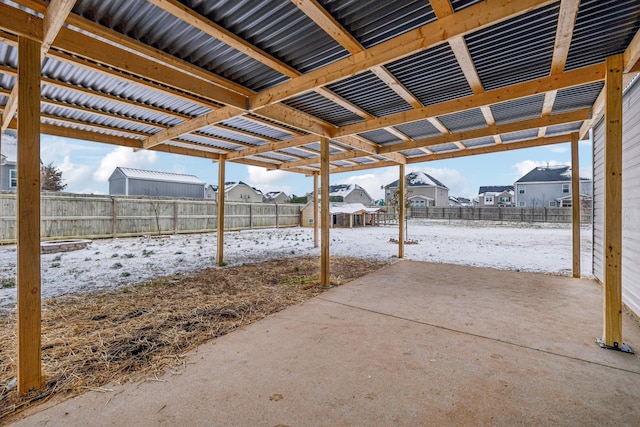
(139, 182)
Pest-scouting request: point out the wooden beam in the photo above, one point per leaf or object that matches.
(207, 119)
(496, 148)
(612, 301)
(324, 214)
(328, 23)
(468, 20)
(20, 23)
(220, 215)
(632, 55)
(365, 166)
(29, 372)
(274, 146)
(575, 204)
(395, 85)
(556, 119)
(54, 17)
(402, 194)
(517, 91)
(315, 209)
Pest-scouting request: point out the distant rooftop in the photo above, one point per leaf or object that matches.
(553, 173)
(420, 179)
(159, 176)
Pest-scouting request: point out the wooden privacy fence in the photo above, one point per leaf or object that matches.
(67, 216)
(507, 214)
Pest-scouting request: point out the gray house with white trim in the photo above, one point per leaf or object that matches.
(8, 170)
(548, 186)
(139, 182)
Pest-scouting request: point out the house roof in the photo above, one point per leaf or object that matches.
(228, 185)
(548, 174)
(419, 179)
(494, 188)
(351, 208)
(343, 190)
(274, 194)
(159, 176)
(260, 82)
(419, 196)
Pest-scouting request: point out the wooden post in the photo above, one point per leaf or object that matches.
(401, 197)
(250, 216)
(28, 215)
(220, 225)
(612, 304)
(575, 203)
(324, 213)
(315, 209)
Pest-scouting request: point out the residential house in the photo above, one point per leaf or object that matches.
(277, 197)
(347, 193)
(139, 182)
(344, 215)
(459, 201)
(236, 191)
(496, 195)
(8, 171)
(422, 189)
(549, 186)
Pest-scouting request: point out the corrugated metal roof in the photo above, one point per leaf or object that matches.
(372, 22)
(519, 109)
(516, 50)
(433, 75)
(464, 120)
(577, 97)
(443, 148)
(479, 142)
(368, 92)
(321, 107)
(603, 28)
(520, 136)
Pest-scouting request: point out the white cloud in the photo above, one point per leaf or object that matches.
(458, 185)
(77, 177)
(124, 157)
(270, 180)
(526, 166)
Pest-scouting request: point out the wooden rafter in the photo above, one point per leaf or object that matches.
(564, 32)
(573, 78)
(54, 18)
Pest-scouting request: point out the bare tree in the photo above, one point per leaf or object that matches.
(51, 178)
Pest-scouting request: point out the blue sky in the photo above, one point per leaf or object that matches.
(86, 167)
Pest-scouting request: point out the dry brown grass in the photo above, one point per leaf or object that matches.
(144, 330)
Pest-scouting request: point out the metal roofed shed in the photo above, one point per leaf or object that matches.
(317, 88)
(138, 182)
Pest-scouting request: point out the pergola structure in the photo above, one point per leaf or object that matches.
(314, 87)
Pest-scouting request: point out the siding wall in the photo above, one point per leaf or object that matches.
(4, 176)
(143, 187)
(630, 199)
(66, 216)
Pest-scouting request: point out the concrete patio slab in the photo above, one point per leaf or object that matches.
(413, 344)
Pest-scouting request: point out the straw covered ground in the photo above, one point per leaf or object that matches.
(138, 332)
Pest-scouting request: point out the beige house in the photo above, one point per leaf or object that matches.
(496, 196)
(235, 191)
(277, 197)
(344, 215)
(422, 189)
(347, 193)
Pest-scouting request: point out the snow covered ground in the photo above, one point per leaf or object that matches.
(542, 248)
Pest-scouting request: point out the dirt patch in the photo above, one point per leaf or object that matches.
(146, 329)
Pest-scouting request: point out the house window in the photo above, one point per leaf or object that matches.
(522, 204)
(388, 192)
(505, 199)
(553, 203)
(417, 204)
(521, 189)
(13, 178)
(565, 188)
(488, 200)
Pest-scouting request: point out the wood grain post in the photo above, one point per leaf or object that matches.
(612, 302)
(220, 218)
(28, 215)
(324, 213)
(315, 209)
(575, 203)
(401, 200)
